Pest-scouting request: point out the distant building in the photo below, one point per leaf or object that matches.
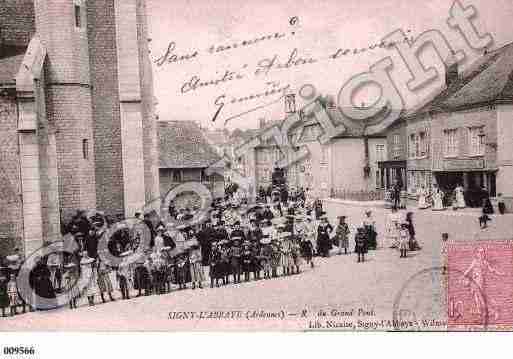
(184, 155)
(349, 162)
(76, 113)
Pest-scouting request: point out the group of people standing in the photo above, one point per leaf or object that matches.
(236, 243)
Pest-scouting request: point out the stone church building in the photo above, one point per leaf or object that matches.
(78, 129)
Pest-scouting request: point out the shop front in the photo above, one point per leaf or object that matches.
(389, 171)
(478, 182)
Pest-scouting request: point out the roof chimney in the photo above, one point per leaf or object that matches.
(451, 70)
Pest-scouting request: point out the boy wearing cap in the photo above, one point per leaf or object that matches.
(360, 244)
(181, 271)
(275, 256)
(214, 265)
(246, 260)
(255, 259)
(265, 257)
(235, 254)
(224, 262)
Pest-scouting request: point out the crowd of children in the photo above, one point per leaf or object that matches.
(236, 243)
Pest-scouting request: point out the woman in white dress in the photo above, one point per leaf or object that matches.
(437, 200)
(460, 198)
(89, 277)
(392, 223)
(421, 198)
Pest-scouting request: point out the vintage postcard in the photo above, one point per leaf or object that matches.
(284, 165)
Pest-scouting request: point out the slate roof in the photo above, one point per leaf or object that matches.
(182, 145)
(9, 67)
(488, 80)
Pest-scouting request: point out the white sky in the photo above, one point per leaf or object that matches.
(322, 28)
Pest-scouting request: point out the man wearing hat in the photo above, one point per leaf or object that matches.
(205, 236)
(342, 235)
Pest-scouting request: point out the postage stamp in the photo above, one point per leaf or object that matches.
(480, 285)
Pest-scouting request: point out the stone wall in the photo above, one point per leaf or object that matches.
(11, 222)
(105, 107)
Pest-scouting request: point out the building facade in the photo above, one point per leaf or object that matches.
(393, 165)
(77, 98)
(464, 135)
